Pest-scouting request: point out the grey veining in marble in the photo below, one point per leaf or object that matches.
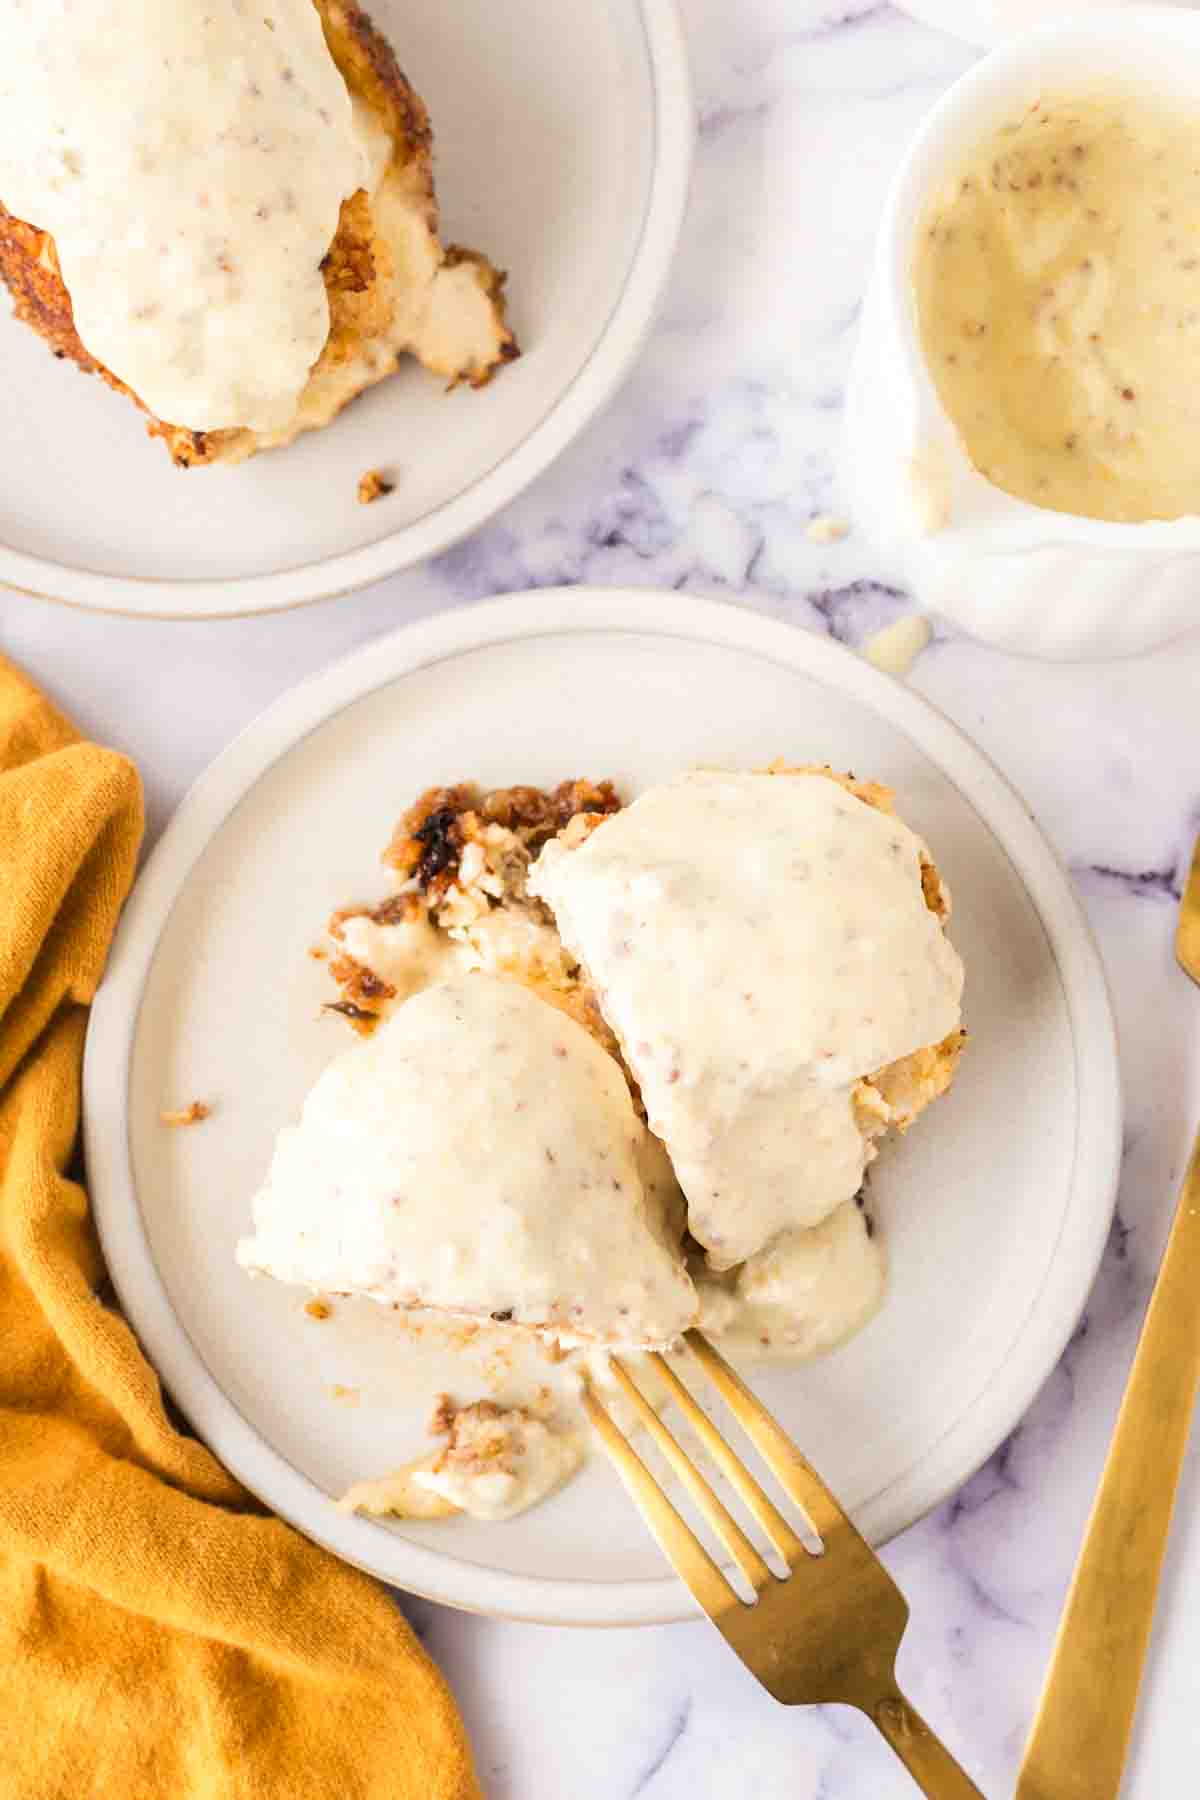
(702, 477)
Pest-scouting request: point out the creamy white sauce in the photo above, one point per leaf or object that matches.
(507, 1466)
(897, 646)
(479, 1154)
(190, 160)
(758, 943)
(398, 1495)
(805, 1293)
(499, 1462)
(1056, 274)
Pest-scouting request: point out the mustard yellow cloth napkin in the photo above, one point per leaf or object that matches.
(161, 1638)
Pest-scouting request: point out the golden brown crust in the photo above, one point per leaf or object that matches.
(492, 281)
(431, 835)
(29, 265)
(358, 983)
(368, 66)
(427, 849)
(30, 268)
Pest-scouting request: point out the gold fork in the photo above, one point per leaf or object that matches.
(828, 1633)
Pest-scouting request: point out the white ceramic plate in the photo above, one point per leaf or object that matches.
(995, 1209)
(562, 153)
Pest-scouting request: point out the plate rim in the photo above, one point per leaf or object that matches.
(435, 1574)
(603, 372)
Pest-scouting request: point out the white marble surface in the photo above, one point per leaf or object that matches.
(700, 479)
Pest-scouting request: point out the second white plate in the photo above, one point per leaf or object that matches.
(564, 155)
(995, 1209)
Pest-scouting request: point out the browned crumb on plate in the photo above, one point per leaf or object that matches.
(192, 1114)
(318, 1309)
(373, 486)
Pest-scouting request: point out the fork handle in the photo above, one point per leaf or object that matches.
(924, 1756)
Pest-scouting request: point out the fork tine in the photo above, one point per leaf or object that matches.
(794, 1474)
(726, 1527)
(682, 1548)
(789, 1546)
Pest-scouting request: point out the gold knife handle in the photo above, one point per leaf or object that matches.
(1076, 1750)
(924, 1756)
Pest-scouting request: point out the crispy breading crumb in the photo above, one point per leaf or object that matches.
(192, 1114)
(362, 1018)
(373, 486)
(318, 1309)
(441, 1419)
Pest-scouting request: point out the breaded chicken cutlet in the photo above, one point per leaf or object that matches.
(392, 287)
(470, 871)
(462, 856)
